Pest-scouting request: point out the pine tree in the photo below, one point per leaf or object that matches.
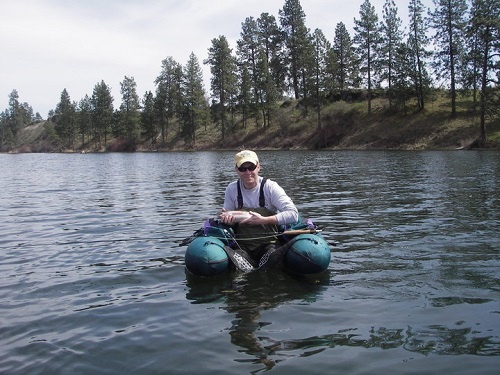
(268, 92)
(271, 40)
(418, 41)
(448, 21)
(129, 116)
(17, 116)
(298, 55)
(392, 37)
(224, 78)
(271, 71)
(367, 39)
(402, 83)
(485, 28)
(3, 126)
(148, 117)
(248, 53)
(84, 118)
(472, 58)
(194, 105)
(258, 52)
(102, 112)
(168, 95)
(342, 62)
(66, 119)
(321, 48)
(13, 120)
(245, 93)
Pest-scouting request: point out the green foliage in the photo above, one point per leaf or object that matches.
(271, 40)
(102, 112)
(148, 117)
(368, 38)
(319, 77)
(342, 65)
(262, 75)
(13, 120)
(65, 120)
(485, 31)
(84, 119)
(298, 46)
(224, 79)
(393, 69)
(194, 110)
(168, 100)
(8, 138)
(128, 124)
(418, 54)
(51, 134)
(448, 20)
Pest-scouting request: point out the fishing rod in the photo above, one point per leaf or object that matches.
(250, 236)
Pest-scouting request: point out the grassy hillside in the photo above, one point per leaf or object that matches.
(343, 126)
(349, 126)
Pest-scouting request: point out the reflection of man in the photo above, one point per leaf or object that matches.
(246, 298)
(243, 334)
(259, 292)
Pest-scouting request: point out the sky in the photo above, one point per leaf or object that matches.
(51, 45)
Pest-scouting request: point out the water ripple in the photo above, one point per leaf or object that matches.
(91, 266)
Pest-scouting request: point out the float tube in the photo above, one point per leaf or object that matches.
(212, 249)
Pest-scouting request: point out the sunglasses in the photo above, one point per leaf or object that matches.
(251, 168)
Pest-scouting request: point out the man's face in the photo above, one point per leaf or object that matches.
(249, 174)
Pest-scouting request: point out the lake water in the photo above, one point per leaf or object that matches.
(92, 277)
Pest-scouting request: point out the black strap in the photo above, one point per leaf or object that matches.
(262, 199)
(240, 197)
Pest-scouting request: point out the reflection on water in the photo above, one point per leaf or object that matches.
(91, 268)
(246, 296)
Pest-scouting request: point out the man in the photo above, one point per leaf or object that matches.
(268, 204)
